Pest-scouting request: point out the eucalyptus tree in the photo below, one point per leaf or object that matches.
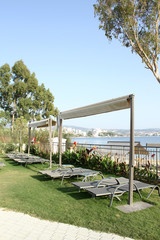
(5, 90)
(21, 131)
(4, 117)
(21, 95)
(136, 24)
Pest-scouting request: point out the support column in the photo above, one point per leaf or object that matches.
(60, 141)
(50, 141)
(131, 160)
(29, 138)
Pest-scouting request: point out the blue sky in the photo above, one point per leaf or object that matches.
(61, 42)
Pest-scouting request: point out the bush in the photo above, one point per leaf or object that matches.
(34, 149)
(145, 175)
(2, 147)
(9, 147)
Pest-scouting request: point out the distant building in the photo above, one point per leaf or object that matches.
(74, 131)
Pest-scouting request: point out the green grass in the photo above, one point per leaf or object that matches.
(23, 190)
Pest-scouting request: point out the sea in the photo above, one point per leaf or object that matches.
(103, 140)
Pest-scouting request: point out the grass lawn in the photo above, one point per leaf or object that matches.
(23, 190)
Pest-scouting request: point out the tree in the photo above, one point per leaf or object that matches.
(3, 119)
(89, 134)
(136, 24)
(21, 95)
(21, 130)
(43, 103)
(5, 91)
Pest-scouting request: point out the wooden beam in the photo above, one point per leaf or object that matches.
(41, 123)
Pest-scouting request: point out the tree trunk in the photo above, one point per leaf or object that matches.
(157, 76)
(12, 123)
(13, 117)
(20, 147)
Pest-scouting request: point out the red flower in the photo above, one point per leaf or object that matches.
(152, 155)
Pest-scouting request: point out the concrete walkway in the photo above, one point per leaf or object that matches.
(20, 226)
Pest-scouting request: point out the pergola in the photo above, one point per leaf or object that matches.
(41, 124)
(125, 102)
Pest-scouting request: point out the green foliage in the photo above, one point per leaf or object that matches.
(20, 94)
(5, 135)
(135, 23)
(35, 150)
(9, 147)
(2, 147)
(145, 174)
(104, 134)
(23, 190)
(4, 118)
(105, 164)
(89, 134)
(5, 81)
(20, 131)
(96, 161)
(67, 136)
(42, 136)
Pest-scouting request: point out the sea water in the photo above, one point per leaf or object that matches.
(104, 140)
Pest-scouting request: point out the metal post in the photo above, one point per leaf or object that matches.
(60, 142)
(29, 138)
(156, 162)
(50, 141)
(131, 161)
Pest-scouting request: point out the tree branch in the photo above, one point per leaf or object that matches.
(156, 41)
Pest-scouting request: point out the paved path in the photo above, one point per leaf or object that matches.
(20, 226)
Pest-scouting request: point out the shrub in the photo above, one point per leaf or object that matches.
(2, 147)
(9, 147)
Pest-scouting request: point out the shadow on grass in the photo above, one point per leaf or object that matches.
(36, 166)
(12, 162)
(5, 157)
(80, 196)
(76, 195)
(32, 167)
(41, 178)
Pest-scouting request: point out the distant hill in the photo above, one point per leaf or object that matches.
(122, 131)
(81, 128)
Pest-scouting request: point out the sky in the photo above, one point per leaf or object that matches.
(61, 42)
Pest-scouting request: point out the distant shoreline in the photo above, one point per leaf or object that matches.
(113, 136)
(104, 140)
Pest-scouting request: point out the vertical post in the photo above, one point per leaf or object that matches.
(156, 162)
(29, 137)
(50, 141)
(53, 143)
(131, 160)
(60, 142)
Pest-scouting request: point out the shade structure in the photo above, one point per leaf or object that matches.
(98, 108)
(41, 123)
